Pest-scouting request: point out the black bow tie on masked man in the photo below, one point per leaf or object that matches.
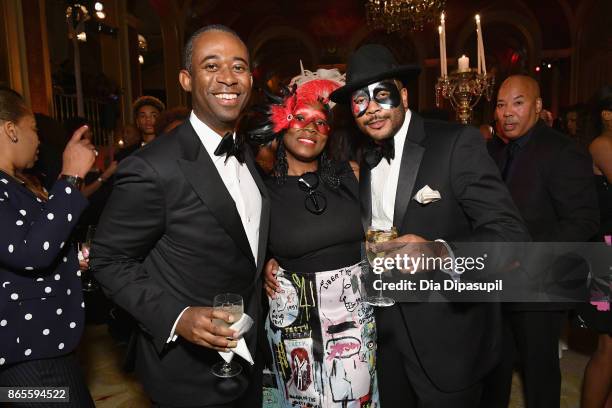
(429, 354)
(184, 225)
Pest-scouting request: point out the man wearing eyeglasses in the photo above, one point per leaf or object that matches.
(429, 354)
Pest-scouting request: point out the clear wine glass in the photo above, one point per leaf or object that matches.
(374, 236)
(233, 304)
(88, 281)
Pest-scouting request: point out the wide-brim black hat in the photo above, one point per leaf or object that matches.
(372, 63)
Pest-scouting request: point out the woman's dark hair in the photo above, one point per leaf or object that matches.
(599, 102)
(258, 128)
(12, 105)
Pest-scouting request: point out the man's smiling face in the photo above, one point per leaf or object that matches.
(220, 79)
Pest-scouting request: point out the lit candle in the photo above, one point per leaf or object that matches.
(464, 64)
(480, 44)
(479, 56)
(443, 24)
(441, 59)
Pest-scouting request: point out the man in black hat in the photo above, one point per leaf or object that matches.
(433, 353)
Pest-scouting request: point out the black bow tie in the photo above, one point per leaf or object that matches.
(230, 147)
(374, 152)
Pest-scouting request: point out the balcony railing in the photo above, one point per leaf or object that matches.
(65, 107)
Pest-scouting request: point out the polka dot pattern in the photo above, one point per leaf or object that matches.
(45, 318)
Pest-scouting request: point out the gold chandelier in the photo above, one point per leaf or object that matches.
(402, 15)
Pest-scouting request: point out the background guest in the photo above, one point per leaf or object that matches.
(129, 139)
(170, 118)
(41, 302)
(597, 384)
(146, 111)
(549, 179)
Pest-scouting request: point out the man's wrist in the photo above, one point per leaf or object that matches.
(75, 181)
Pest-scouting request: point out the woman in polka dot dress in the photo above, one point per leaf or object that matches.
(41, 303)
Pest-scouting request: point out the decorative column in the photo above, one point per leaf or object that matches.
(37, 54)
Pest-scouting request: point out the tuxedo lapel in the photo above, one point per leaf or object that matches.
(205, 180)
(409, 168)
(264, 223)
(365, 195)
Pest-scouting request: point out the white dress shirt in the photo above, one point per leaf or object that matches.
(239, 183)
(384, 178)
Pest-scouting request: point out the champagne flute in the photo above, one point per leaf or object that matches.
(234, 305)
(377, 235)
(88, 282)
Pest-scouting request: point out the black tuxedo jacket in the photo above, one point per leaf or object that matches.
(171, 237)
(551, 182)
(456, 343)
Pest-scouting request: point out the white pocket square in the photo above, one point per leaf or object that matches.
(426, 195)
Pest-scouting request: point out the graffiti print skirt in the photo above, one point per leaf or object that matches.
(323, 341)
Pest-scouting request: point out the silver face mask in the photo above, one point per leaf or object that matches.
(385, 93)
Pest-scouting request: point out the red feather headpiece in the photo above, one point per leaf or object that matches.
(316, 90)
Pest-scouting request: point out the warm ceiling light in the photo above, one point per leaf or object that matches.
(82, 36)
(141, 59)
(99, 6)
(101, 15)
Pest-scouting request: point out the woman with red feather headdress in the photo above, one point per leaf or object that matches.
(321, 335)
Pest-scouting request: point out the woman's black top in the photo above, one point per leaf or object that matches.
(302, 241)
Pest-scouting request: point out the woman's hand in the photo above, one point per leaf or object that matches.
(270, 282)
(79, 154)
(110, 170)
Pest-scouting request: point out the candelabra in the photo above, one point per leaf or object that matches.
(464, 89)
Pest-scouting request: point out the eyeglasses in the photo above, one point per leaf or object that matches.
(315, 201)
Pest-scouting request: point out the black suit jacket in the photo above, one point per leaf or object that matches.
(171, 237)
(456, 343)
(551, 182)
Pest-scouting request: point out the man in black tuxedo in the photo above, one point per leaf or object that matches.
(188, 220)
(550, 180)
(433, 353)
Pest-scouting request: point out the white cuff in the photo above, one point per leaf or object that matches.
(173, 336)
(451, 272)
